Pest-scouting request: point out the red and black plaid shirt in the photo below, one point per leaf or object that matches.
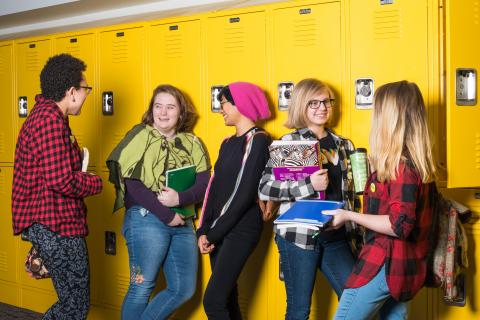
(408, 202)
(48, 185)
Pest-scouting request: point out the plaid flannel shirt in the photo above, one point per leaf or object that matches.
(289, 191)
(48, 185)
(408, 203)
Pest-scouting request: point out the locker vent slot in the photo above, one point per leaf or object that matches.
(122, 285)
(477, 150)
(234, 39)
(2, 66)
(32, 61)
(74, 49)
(2, 184)
(2, 143)
(174, 45)
(476, 12)
(387, 24)
(3, 261)
(120, 50)
(305, 32)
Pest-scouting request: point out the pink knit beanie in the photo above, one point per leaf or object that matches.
(250, 100)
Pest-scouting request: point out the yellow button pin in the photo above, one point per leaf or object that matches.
(372, 187)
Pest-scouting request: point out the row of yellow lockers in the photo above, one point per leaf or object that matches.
(346, 43)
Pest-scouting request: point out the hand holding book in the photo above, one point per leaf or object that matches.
(319, 180)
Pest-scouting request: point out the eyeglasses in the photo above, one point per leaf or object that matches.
(315, 103)
(88, 89)
(222, 103)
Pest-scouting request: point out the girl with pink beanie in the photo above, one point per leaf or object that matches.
(231, 221)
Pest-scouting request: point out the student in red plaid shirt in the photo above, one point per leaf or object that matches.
(397, 208)
(49, 185)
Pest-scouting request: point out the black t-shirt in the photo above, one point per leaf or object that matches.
(330, 161)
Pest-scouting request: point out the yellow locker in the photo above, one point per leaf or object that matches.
(110, 274)
(463, 109)
(30, 58)
(236, 51)
(9, 288)
(84, 126)
(6, 92)
(388, 42)
(121, 85)
(306, 45)
(175, 58)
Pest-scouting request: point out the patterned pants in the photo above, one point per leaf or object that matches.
(67, 260)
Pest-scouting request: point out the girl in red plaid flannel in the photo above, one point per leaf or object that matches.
(397, 208)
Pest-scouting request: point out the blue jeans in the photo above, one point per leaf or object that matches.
(368, 300)
(299, 266)
(153, 245)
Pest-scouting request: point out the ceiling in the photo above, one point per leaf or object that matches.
(25, 18)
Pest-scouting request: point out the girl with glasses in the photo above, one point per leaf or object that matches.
(304, 251)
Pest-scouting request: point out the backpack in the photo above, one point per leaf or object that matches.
(447, 257)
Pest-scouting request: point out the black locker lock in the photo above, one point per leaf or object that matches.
(110, 243)
(22, 106)
(107, 103)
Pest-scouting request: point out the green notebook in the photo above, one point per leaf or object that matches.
(181, 179)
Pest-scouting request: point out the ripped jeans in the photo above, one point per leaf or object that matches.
(152, 246)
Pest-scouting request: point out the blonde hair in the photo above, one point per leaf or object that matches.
(303, 92)
(400, 131)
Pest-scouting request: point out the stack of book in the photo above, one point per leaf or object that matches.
(295, 160)
(308, 213)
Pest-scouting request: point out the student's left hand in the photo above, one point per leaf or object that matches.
(340, 216)
(168, 197)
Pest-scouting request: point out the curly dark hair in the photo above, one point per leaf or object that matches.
(188, 116)
(60, 73)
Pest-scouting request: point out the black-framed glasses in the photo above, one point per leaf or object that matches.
(315, 103)
(222, 103)
(87, 88)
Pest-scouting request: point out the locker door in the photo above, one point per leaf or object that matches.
(31, 58)
(463, 109)
(6, 92)
(110, 275)
(175, 58)
(121, 74)
(9, 288)
(84, 126)
(388, 43)
(307, 45)
(235, 52)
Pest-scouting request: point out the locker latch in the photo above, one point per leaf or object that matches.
(284, 95)
(110, 243)
(107, 103)
(22, 107)
(216, 106)
(466, 87)
(364, 89)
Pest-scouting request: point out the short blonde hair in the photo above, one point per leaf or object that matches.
(303, 92)
(400, 131)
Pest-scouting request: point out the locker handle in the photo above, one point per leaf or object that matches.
(73, 40)
(120, 34)
(107, 103)
(234, 20)
(172, 28)
(22, 106)
(32, 45)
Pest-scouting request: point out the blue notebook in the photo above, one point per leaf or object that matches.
(309, 212)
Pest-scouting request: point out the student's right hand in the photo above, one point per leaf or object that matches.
(319, 180)
(177, 221)
(205, 246)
